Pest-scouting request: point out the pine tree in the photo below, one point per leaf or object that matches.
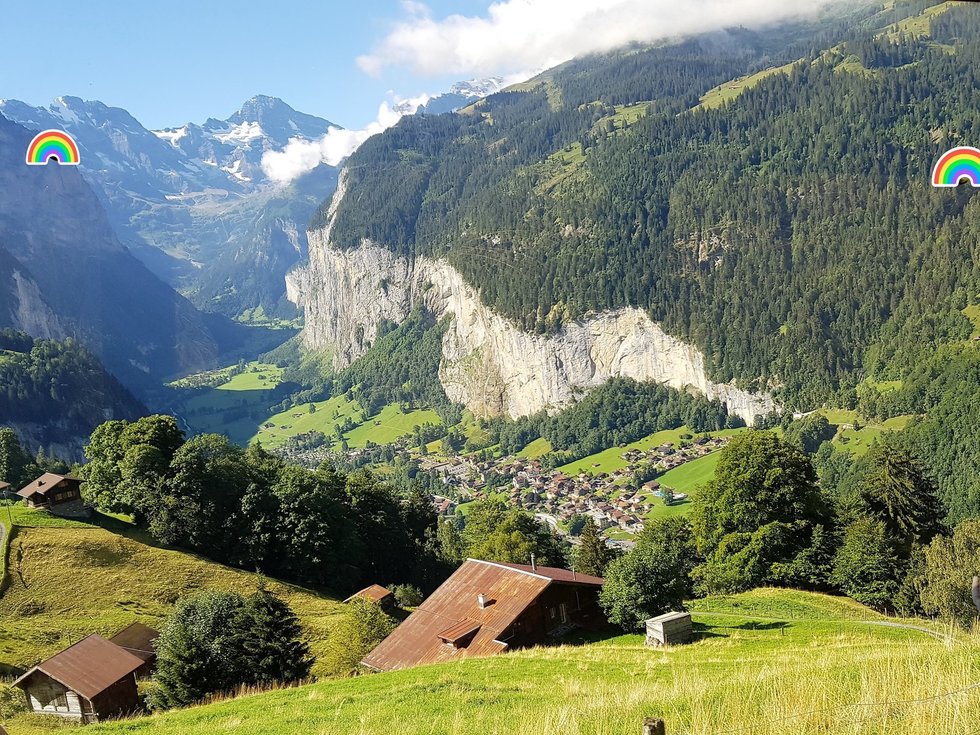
(592, 554)
(272, 640)
(15, 464)
(897, 492)
(198, 651)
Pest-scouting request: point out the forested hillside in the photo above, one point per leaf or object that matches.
(783, 232)
(57, 392)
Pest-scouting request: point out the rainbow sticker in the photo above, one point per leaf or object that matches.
(52, 145)
(956, 165)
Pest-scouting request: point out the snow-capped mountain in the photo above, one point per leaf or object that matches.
(192, 202)
(462, 94)
(236, 145)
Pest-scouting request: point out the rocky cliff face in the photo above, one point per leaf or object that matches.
(488, 364)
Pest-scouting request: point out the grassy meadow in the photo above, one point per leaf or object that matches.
(823, 667)
(238, 407)
(68, 579)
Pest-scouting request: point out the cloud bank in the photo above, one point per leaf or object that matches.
(530, 34)
(301, 156)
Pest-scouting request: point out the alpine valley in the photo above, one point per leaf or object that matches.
(674, 338)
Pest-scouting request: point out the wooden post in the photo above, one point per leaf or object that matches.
(976, 592)
(653, 726)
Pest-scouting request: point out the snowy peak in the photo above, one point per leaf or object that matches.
(462, 94)
(278, 121)
(478, 88)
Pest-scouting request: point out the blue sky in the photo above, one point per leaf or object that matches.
(176, 61)
(186, 60)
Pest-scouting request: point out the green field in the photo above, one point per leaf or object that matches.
(389, 425)
(69, 579)
(611, 459)
(767, 663)
(858, 441)
(234, 408)
(219, 410)
(685, 479)
(537, 448)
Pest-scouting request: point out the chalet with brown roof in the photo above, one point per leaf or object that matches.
(58, 493)
(486, 608)
(90, 681)
(377, 594)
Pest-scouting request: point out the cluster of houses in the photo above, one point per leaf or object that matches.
(615, 499)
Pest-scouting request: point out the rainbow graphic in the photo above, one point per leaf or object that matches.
(956, 165)
(54, 145)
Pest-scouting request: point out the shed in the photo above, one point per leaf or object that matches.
(377, 594)
(669, 629)
(90, 681)
(139, 640)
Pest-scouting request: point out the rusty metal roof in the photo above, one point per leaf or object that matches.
(43, 484)
(89, 667)
(509, 589)
(374, 593)
(555, 574)
(138, 639)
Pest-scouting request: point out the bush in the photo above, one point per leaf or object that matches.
(363, 626)
(407, 595)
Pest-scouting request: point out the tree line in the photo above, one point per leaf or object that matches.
(876, 533)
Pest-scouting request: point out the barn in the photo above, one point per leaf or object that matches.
(485, 608)
(377, 594)
(139, 640)
(90, 681)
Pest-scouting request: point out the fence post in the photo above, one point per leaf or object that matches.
(653, 726)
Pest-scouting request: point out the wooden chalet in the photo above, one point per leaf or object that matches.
(486, 608)
(139, 640)
(58, 493)
(90, 681)
(375, 593)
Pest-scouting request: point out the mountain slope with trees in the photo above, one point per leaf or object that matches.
(784, 233)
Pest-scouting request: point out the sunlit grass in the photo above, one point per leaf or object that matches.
(804, 675)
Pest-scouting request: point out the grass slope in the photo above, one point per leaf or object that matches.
(728, 91)
(69, 579)
(685, 479)
(803, 675)
(218, 410)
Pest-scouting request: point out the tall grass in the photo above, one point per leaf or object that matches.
(809, 677)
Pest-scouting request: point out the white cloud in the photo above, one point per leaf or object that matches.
(529, 34)
(301, 156)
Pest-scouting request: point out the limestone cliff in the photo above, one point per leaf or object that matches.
(488, 364)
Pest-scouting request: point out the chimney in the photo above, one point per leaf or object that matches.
(482, 600)
(534, 567)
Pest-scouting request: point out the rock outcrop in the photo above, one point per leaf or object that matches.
(489, 364)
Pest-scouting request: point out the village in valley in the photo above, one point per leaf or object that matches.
(617, 500)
